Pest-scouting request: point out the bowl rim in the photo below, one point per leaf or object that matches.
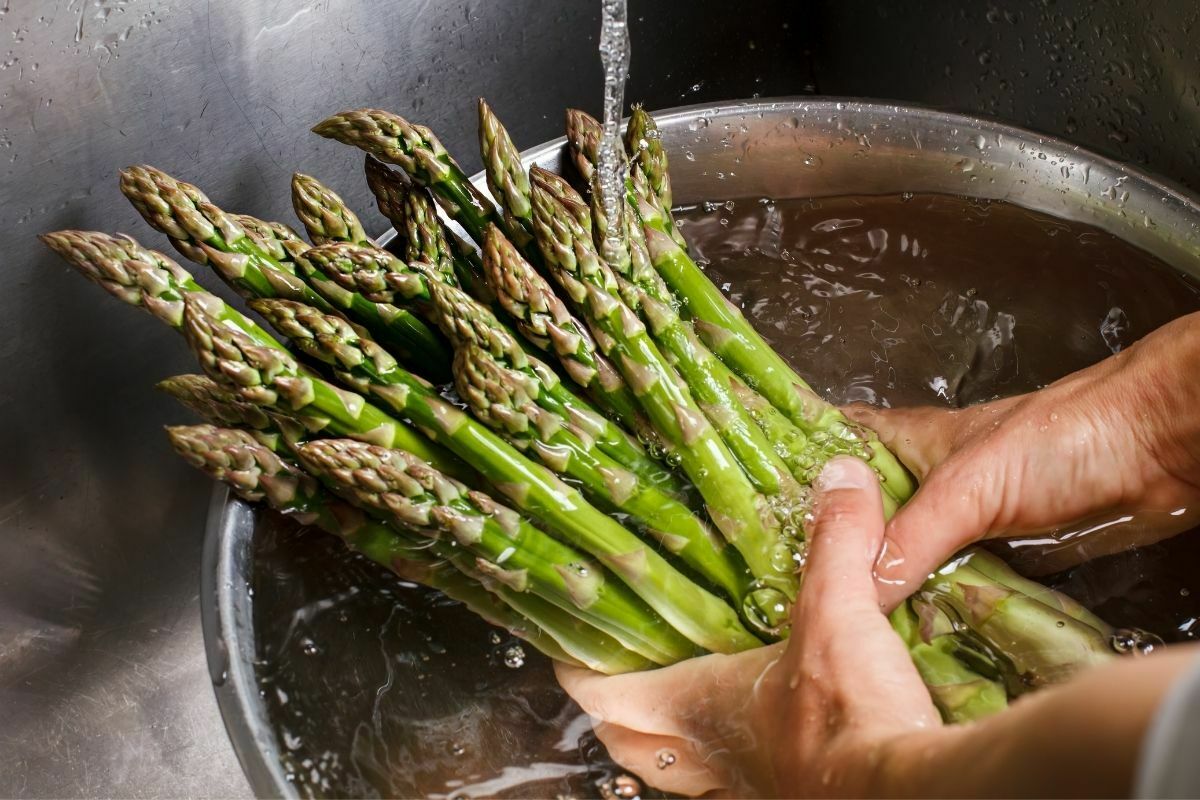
(226, 604)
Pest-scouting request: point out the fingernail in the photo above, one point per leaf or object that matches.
(844, 472)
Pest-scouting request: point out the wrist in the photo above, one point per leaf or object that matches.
(1166, 396)
(915, 765)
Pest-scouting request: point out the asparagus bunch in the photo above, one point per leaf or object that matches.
(658, 517)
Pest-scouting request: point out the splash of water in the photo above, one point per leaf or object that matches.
(614, 55)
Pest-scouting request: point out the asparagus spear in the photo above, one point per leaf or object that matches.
(465, 321)
(506, 176)
(206, 399)
(544, 320)
(253, 262)
(996, 570)
(741, 513)
(257, 474)
(726, 332)
(583, 139)
(645, 149)
(695, 613)
(139, 276)
(324, 214)
(505, 399)
(415, 149)
(402, 489)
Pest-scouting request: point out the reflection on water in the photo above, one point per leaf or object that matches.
(378, 687)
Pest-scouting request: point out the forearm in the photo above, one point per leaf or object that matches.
(1082, 739)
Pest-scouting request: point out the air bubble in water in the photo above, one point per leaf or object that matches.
(624, 787)
(1134, 641)
(514, 657)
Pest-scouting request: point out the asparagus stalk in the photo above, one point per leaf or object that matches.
(723, 328)
(742, 514)
(465, 321)
(996, 570)
(506, 176)
(583, 140)
(324, 214)
(505, 399)
(402, 489)
(694, 612)
(257, 474)
(254, 262)
(206, 399)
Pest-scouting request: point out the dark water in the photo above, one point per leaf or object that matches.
(380, 688)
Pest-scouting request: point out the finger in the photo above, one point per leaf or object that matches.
(951, 510)
(920, 437)
(840, 630)
(846, 538)
(667, 763)
(683, 700)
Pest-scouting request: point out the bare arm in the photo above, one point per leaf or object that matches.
(1082, 739)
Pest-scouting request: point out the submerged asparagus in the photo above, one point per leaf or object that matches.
(404, 490)
(257, 474)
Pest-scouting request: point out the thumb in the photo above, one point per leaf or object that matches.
(948, 512)
(839, 629)
(845, 541)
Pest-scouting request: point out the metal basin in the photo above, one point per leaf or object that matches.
(769, 148)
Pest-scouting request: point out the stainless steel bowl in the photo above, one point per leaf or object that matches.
(767, 148)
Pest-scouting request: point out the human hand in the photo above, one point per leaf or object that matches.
(1120, 438)
(816, 715)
